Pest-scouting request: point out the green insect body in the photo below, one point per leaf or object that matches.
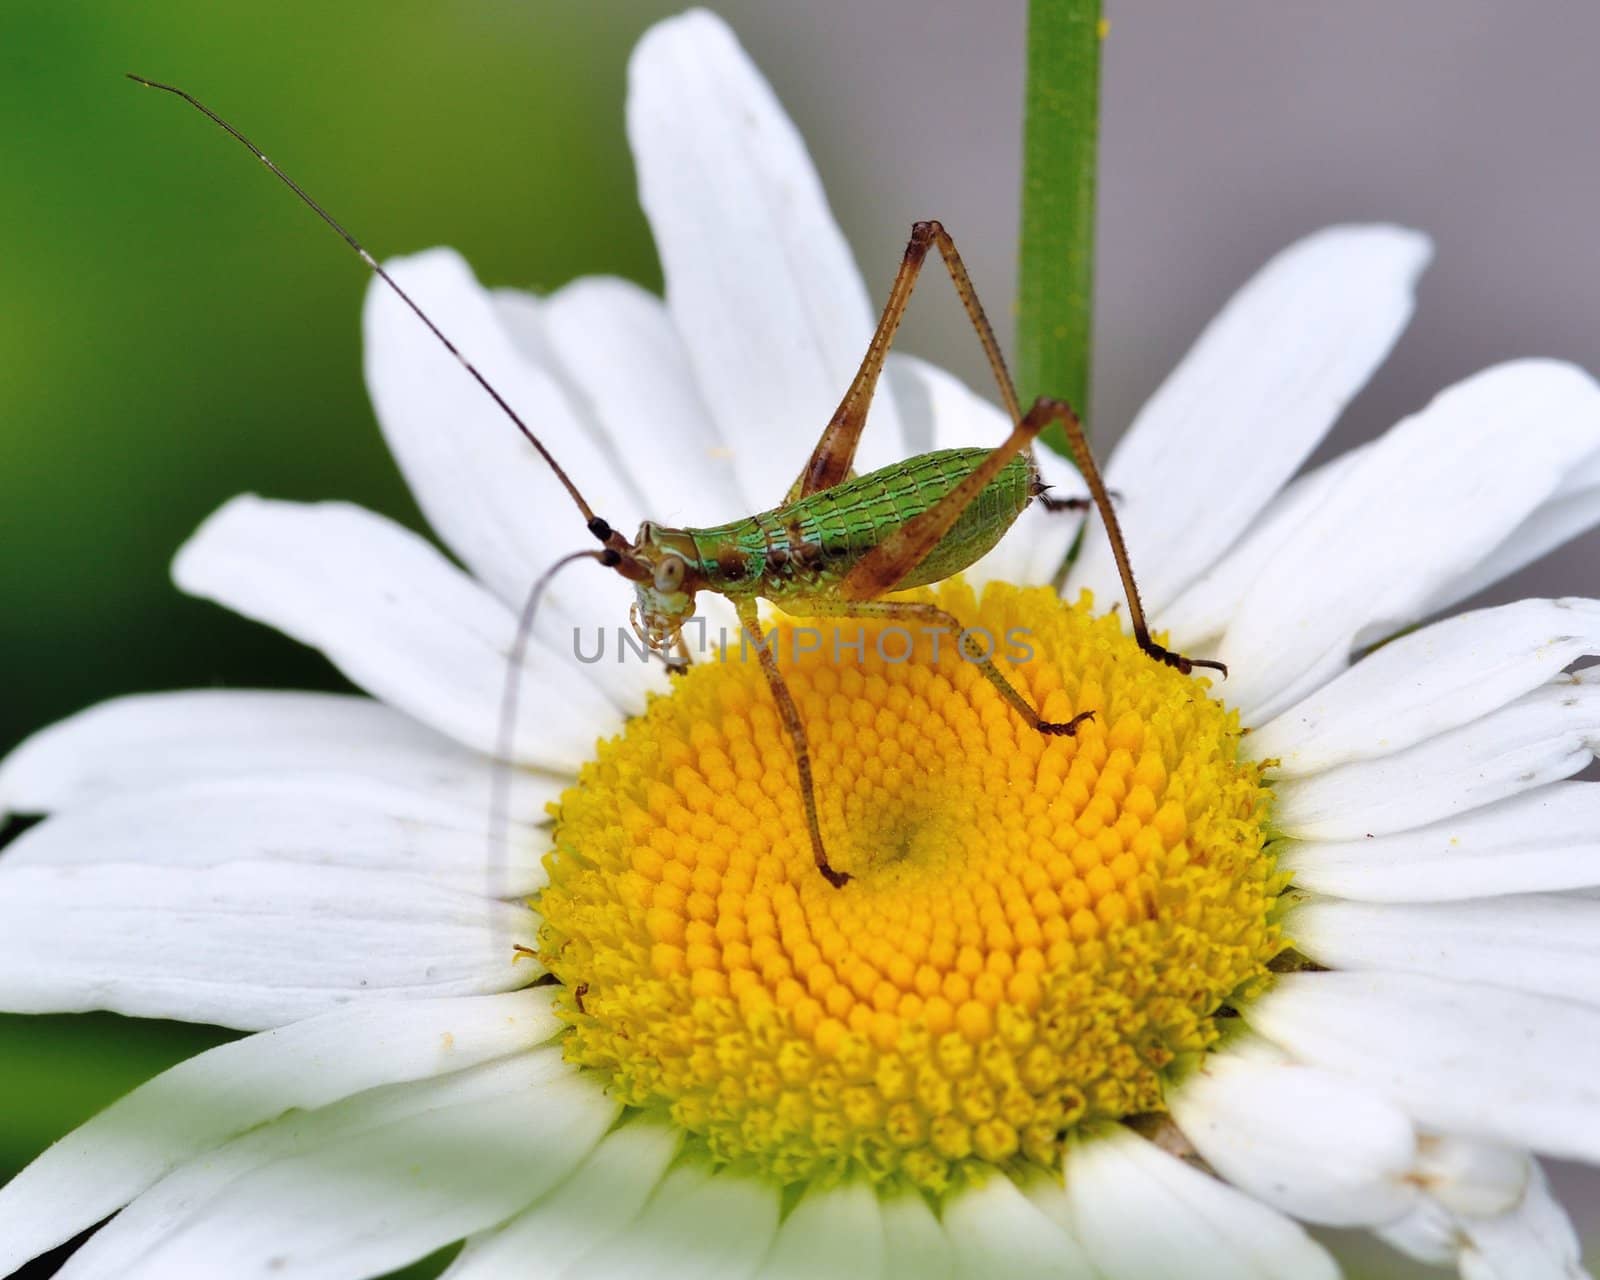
(805, 548)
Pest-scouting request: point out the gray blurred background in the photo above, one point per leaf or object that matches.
(174, 330)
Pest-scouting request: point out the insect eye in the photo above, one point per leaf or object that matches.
(669, 573)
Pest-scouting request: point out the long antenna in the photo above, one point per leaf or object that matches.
(505, 739)
(596, 525)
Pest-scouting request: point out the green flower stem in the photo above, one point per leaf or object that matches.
(1055, 289)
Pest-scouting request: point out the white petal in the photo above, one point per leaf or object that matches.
(202, 1103)
(915, 1247)
(1534, 1241)
(246, 944)
(1198, 617)
(179, 1199)
(995, 1230)
(138, 744)
(394, 616)
(1473, 1178)
(1142, 1212)
(612, 344)
(1482, 1061)
(1427, 682)
(1312, 1144)
(1427, 501)
(1531, 942)
(1548, 838)
(760, 281)
(1250, 401)
(598, 1201)
(1543, 736)
(336, 822)
(485, 490)
(941, 412)
(348, 1201)
(694, 1228)
(1428, 1233)
(1574, 508)
(1483, 1205)
(833, 1232)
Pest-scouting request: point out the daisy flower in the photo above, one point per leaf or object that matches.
(1313, 945)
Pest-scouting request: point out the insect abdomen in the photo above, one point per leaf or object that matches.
(814, 542)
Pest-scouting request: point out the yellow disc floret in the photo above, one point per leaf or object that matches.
(1039, 932)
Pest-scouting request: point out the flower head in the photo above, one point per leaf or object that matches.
(1071, 1015)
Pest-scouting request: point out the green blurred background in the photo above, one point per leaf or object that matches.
(173, 330)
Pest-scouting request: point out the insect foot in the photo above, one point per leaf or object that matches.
(838, 879)
(1183, 664)
(1063, 728)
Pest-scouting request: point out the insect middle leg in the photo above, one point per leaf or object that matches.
(932, 615)
(750, 623)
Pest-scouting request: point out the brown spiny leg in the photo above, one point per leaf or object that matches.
(1052, 410)
(790, 714)
(1060, 411)
(831, 460)
(908, 611)
(892, 559)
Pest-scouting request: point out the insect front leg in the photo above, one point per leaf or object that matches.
(751, 625)
(932, 615)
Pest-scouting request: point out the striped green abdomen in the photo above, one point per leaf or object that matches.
(811, 544)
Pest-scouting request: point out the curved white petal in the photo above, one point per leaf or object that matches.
(1530, 942)
(1142, 1212)
(135, 745)
(995, 1230)
(942, 412)
(355, 1191)
(1517, 1233)
(180, 1199)
(1427, 501)
(614, 348)
(245, 944)
(335, 822)
(914, 1245)
(1573, 509)
(1542, 737)
(1428, 1233)
(1470, 1177)
(203, 1102)
(1544, 839)
(399, 620)
(1533, 1241)
(760, 281)
(835, 1231)
(1481, 1061)
(1250, 401)
(598, 1201)
(1427, 682)
(1315, 1145)
(695, 1227)
(485, 490)
(1199, 616)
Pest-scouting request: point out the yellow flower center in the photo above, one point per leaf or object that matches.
(1039, 932)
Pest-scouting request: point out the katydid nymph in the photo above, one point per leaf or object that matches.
(838, 543)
